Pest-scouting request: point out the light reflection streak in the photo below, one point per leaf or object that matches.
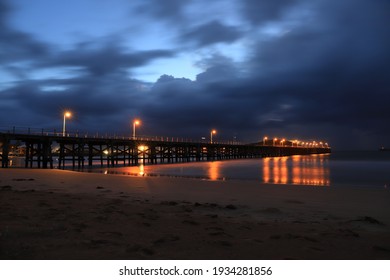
(141, 169)
(266, 170)
(298, 170)
(214, 170)
(283, 170)
(276, 170)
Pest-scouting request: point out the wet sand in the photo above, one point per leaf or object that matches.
(56, 214)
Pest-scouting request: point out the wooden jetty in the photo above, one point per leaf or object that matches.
(53, 150)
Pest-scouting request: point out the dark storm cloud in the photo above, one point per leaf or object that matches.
(105, 59)
(211, 33)
(260, 11)
(100, 87)
(218, 68)
(335, 63)
(195, 107)
(332, 70)
(97, 104)
(16, 45)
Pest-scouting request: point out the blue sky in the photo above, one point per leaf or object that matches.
(248, 68)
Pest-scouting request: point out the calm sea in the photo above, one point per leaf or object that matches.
(349, 168)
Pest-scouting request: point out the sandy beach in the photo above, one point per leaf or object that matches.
(57, 214)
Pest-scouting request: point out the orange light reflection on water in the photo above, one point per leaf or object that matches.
(298, 170)
(266, 170)
(141, 169)
(214, 170)
(283, 170)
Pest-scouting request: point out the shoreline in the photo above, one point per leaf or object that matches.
(61, 214)
(112, 172)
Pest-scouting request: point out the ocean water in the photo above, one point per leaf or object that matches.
(349, 168)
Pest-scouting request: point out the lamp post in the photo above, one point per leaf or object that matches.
(135, 122)
(273, 142)
(67, 114)
(211, 135)
(282, 142)
(265, 139)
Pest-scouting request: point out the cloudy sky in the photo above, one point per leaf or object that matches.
(299, 69)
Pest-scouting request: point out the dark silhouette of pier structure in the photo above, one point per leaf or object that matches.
(54, 150)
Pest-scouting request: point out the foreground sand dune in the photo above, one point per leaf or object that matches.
(56, 214)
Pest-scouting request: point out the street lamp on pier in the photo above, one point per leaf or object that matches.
(265, 139)
(67, 114)
(135, 123)
(273, 142)
(211, 135)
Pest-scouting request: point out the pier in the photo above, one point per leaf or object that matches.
(56, 150)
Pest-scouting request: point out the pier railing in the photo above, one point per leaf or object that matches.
(113, 136)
